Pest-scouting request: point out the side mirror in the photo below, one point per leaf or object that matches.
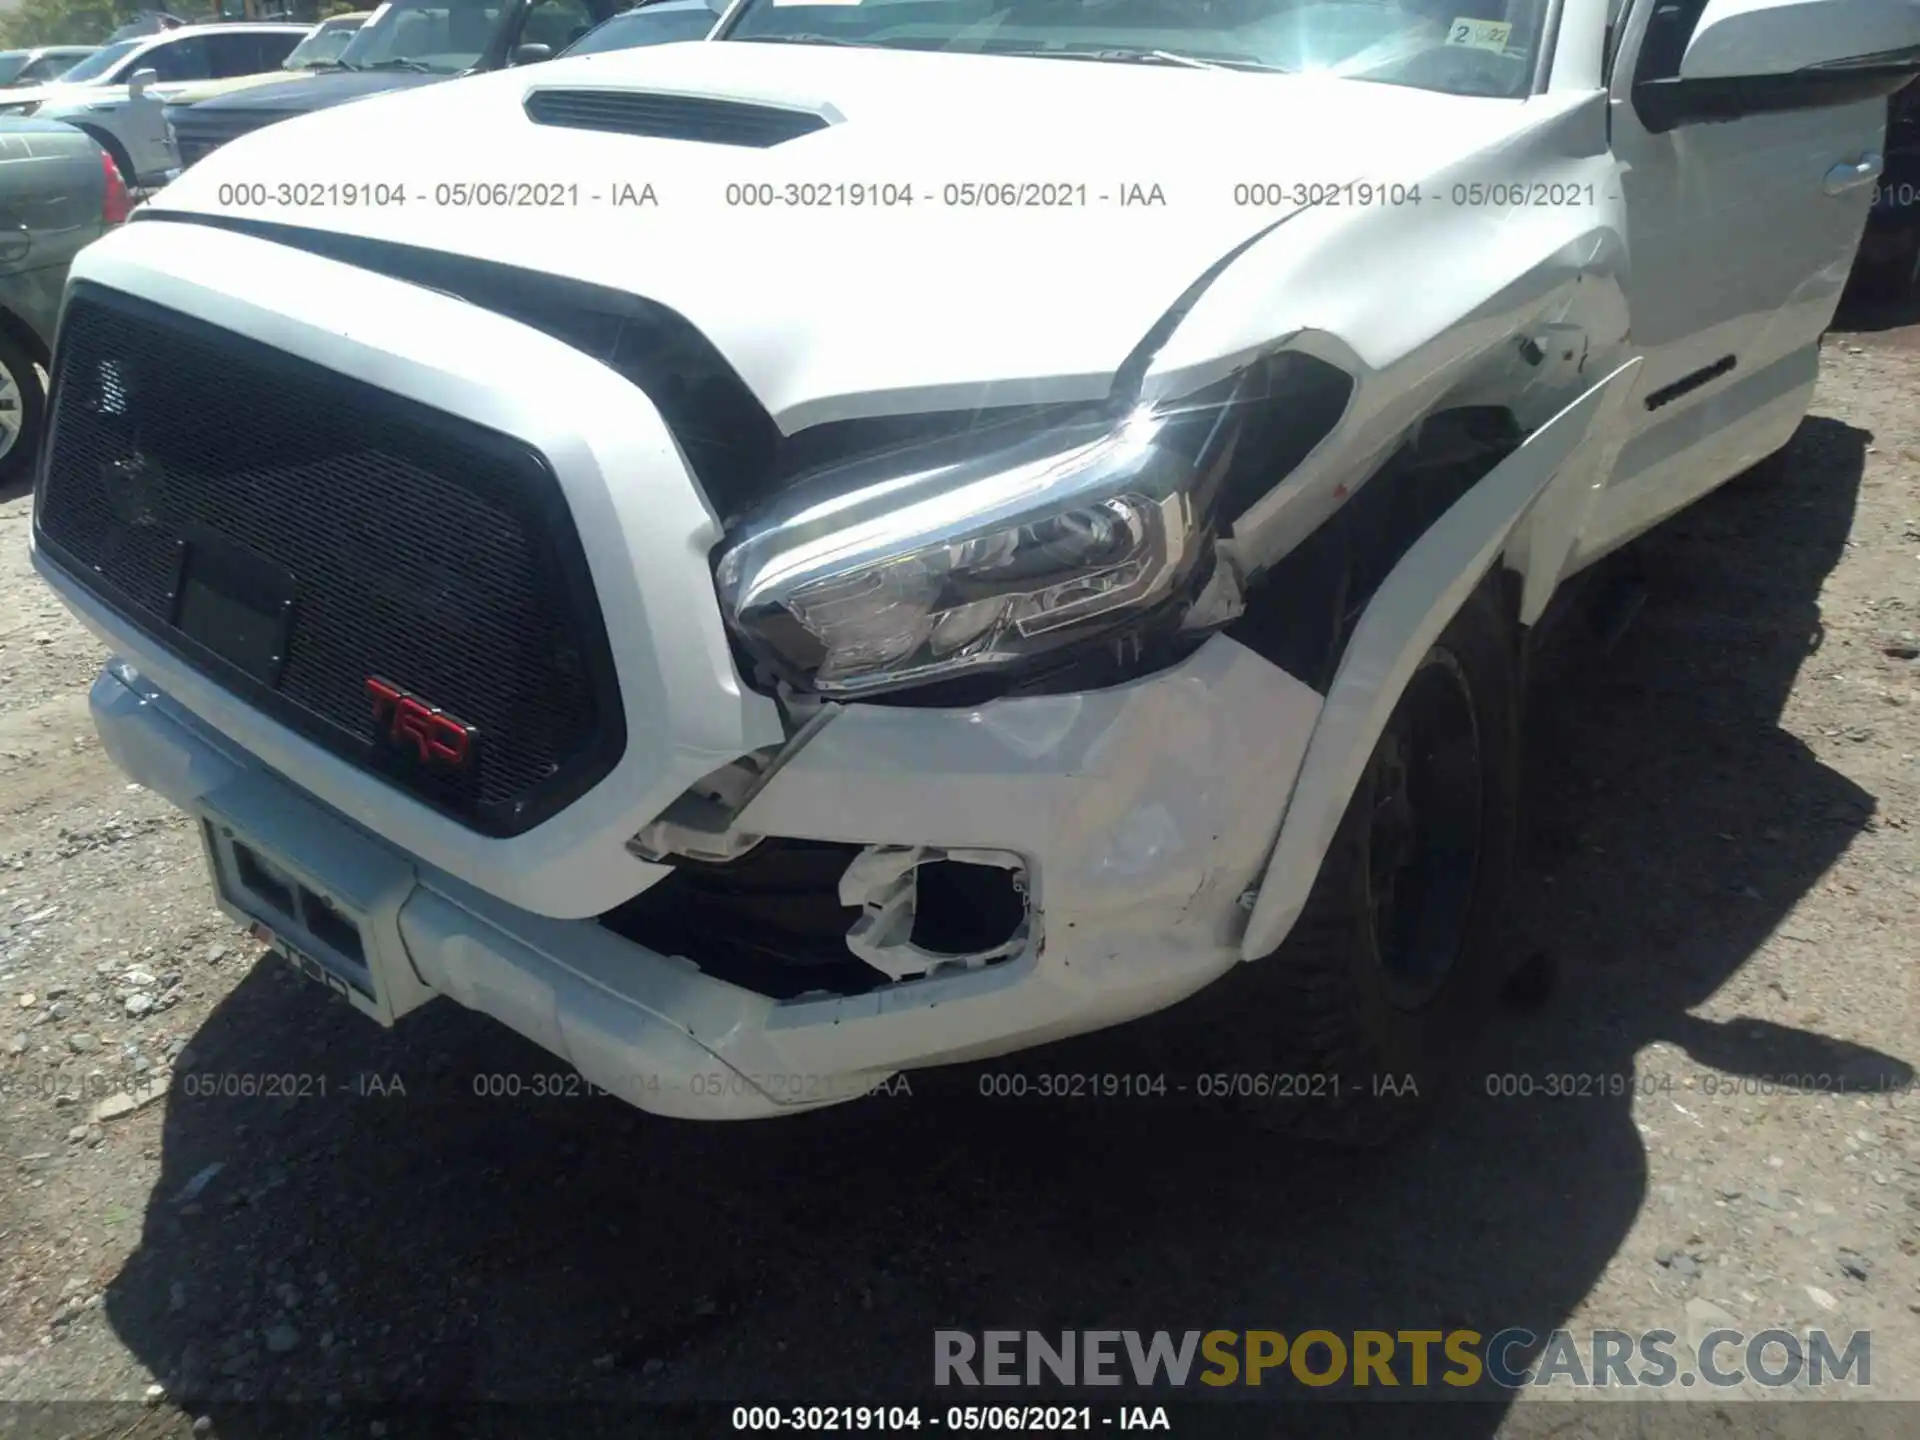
(142, 79)
(530, 54)
(1748, 57)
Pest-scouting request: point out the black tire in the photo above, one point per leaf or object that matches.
(1894, 280)
(1368, 1046)
(31, 411)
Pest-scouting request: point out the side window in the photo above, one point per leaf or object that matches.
(43, 70)
(270, 48)
(556, 23)
(186, 59)
(235, 54)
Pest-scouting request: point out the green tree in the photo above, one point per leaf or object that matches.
(89, 22)
(58, 22)
(72, 22)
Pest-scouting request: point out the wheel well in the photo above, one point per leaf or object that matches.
(1302, 608)
(22, 334)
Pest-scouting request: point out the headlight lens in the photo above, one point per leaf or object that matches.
(22, 107)
(962, 555)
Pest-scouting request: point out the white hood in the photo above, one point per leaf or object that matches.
(57, 94)
(837, 310)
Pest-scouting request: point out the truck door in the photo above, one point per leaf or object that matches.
(1742, 227)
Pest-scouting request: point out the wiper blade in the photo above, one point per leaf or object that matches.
(802, 40)
(1162, 57)
(329, 65)
(1153, 57)
(399, 64)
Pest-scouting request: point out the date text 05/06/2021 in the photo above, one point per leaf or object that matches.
(964, 1419)
(907, 195)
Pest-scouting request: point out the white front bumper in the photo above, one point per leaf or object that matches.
(1144, 813)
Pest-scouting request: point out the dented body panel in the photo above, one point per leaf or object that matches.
(783, 893)
(1524, 514)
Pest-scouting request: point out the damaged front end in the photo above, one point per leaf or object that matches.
(786, 917)
(795, 918)
(923, 908)
(1044, 551)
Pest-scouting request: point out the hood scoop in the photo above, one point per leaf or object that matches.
(702, 118)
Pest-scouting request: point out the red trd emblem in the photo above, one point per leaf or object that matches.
(410, 723)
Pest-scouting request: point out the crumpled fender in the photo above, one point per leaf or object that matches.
(1527, 511)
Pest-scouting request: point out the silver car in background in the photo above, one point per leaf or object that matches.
(104, 94)
(58, 193)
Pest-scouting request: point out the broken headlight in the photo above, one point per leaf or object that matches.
(981, 550)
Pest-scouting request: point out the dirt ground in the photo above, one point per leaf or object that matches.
(1723, 868)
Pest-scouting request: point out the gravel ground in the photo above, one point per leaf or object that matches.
(1723, 871)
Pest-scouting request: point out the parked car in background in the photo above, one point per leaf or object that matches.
(58, 192)
(1888, 265)
(151, 22)
(39, 67)
(422, 42)
(319, 51)
(661, 22)
(97, 94)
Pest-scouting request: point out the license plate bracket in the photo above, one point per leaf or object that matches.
(317, 933)
(321, 974)
(234, 603)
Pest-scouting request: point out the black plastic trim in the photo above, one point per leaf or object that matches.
(1668, 103)
(1691, 382)
(1301, 610)
(700, 119)
(1664, 101)
(1664, 40)
(1546, 48)
(500, 821)
(1290, 403)
(1902, 61)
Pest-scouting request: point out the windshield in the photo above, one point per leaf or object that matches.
(442, 36)
(324, 44)
(102, 60)
(657, 24)
(1464, 47)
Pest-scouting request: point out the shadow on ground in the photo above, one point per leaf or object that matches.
(1867, 316)
(443, 1244)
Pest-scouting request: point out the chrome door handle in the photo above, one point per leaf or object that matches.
(1850, 175)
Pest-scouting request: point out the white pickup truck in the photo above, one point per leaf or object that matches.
(915, 528)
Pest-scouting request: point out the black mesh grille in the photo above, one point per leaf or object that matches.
(672, 117)
(727, 436)
(423, 550)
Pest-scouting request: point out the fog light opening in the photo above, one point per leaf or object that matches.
(924, 909)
